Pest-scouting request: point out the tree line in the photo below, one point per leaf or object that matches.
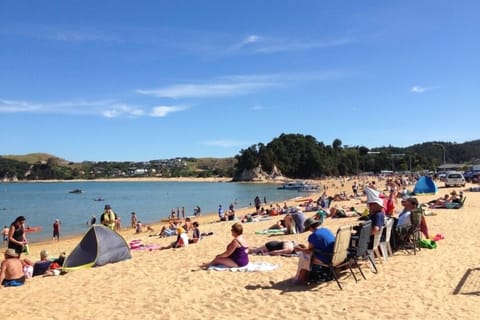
(302, 156)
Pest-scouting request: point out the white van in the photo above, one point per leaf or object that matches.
(454, 178)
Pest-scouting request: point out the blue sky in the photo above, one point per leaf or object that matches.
(144, 80)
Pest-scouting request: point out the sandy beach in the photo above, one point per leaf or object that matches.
(169, 284)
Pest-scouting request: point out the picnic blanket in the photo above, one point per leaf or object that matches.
(251, 267)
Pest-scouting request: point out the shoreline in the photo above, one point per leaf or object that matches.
(279, 180)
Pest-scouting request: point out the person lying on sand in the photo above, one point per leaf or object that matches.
(342, 213)
(275, 248)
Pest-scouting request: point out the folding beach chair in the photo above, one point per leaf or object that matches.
(359, 247)
(409, 236)
(340, 254)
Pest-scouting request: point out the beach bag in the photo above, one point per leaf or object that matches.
(427, 243)
(303, 268)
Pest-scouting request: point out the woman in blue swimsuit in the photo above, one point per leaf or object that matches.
(236, 254)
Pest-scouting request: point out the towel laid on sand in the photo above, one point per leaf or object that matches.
(251, 267)
(271, 231)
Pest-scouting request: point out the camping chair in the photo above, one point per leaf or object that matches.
(385, 247)
(359, 249)
(340, 251)
(409, 236)
(374, 252)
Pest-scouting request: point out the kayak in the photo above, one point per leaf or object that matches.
(33, 229)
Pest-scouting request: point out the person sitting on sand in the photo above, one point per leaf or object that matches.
(41, 267)
(196, 234)
(187, 225)
(139, 227)
(182, 240)
(11, 270)
(275, 248)
(170, 230)
(236, 254)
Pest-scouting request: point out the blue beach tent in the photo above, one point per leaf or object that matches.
(425, 185)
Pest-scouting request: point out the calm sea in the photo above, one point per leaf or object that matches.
(42, 203)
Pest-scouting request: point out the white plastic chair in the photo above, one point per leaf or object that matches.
(385, 247)
(376, 243)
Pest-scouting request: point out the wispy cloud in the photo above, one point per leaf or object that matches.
(268, 45)
(235, 85)
(248, 40)
(224, 143)
(285, 45)
(163, 111)
(226, 86)
(119, 110)
(104, 108)
(10, 106)
(420, 89)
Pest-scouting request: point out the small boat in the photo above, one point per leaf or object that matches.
(299, 185)
(98, 199)
(76, 191)
(309, 188)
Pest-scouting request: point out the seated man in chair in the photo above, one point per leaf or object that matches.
(320, 246)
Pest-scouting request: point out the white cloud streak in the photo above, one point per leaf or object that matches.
(104, 108)
(163, 111)
(229, 86)
(236, 85)
(299, 45)
(420, 89)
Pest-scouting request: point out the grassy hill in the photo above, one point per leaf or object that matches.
(33, 158)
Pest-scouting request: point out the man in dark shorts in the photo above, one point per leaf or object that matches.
(56, 230)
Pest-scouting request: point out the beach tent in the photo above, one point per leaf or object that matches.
(425, 185)
(99, 246)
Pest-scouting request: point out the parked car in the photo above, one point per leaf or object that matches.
(476, 177)
(468, 175)
(454, 178)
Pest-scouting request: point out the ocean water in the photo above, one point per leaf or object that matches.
(42, 203)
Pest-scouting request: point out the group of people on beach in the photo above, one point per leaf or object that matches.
(320, 242)
(15, 270)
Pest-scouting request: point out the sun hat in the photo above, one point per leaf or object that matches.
(310, 222)
(11, 252)
(373, 196)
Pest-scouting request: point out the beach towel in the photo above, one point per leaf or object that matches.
(251, 267)
(271, 231)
